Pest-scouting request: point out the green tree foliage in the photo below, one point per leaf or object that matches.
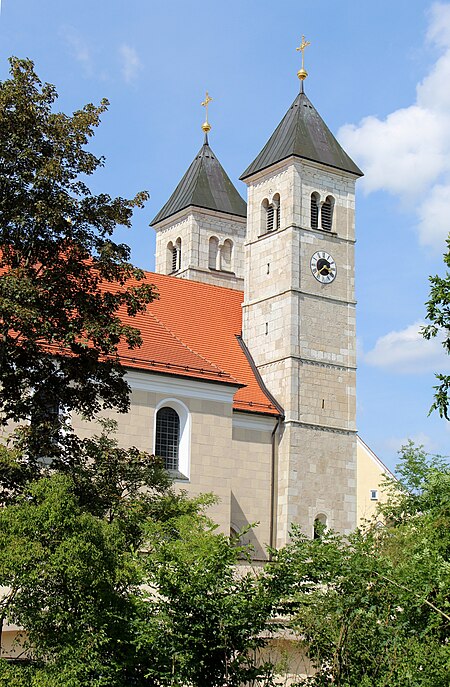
(211, 616)
(119, 581)
(63, 279)
(438, 314)
(373, 609)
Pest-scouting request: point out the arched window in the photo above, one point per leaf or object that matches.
(174, 259)
(176, 255)
(172, 436)
(270, 218)
(327, 213)
(213, 253)
(314, 210)
(226, 255)
(169, 259)
(167, 438)
(277, 210)
(320, 525)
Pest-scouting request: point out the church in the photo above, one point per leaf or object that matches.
(246, 380)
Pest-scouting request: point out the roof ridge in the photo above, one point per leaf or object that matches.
(191, 350)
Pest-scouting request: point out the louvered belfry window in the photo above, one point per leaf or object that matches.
(327, 215)
(270, 214)
(314, 212)
(167, 441)
(174, 259)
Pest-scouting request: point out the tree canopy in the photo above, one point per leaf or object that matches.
(438, 314)
(63, 279)
(373, 609)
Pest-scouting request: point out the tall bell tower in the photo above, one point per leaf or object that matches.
(299, 313)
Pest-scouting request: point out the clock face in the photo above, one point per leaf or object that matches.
(323, 267)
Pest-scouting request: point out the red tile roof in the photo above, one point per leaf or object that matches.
(192, 331)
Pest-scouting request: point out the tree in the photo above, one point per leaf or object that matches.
(438, 314)
(87, 527)
(123, 582)
(210, 617)
(373, 609)
(63, 279)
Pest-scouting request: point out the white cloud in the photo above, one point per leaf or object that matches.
(131, 64)
(408, 153)
(434, 213)
(79, 48)
(406, 352)
(402, 154)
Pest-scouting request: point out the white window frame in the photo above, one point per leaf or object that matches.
(184, 448)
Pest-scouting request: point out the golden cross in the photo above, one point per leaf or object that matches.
(206, 102)
(302, 49)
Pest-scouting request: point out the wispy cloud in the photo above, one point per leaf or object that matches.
(78, 48)
(408, 152)
(407, 352)
(131, 65)
(419, 439)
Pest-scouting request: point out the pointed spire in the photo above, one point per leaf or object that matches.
(302, 133)
(205, 185)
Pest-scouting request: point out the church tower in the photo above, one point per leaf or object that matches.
(299, 313)
(200, 231)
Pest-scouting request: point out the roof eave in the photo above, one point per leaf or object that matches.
(157, 221)
(247, 175)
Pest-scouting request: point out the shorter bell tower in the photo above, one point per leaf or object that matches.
(299, 313)
(200, 231)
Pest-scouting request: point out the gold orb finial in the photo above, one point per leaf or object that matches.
(206, 126)
(302, 73)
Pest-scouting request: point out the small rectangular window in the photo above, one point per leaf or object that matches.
(374, 494)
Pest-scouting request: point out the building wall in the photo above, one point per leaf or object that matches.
(371, 475)
(195, 227)
(229, 453)
(301, 335)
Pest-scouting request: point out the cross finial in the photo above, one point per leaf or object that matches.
(206, 126)
(302, 73)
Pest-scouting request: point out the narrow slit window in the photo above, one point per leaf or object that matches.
(276, 204)
(314, 211)
(226, 255)
(327, 214)
(174, 259)
(213, 252)
(270, 218)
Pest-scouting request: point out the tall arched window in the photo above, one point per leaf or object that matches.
(167, 439)
(277, 210)
(213, 253)
(226, 255)
(270, 218)
(169, 259)
(327, 213)
(314, 210)
(176, 255)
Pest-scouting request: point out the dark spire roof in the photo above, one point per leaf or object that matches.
(205, 185)
(302, 133)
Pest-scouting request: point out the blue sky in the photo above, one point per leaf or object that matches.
(379, 75)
